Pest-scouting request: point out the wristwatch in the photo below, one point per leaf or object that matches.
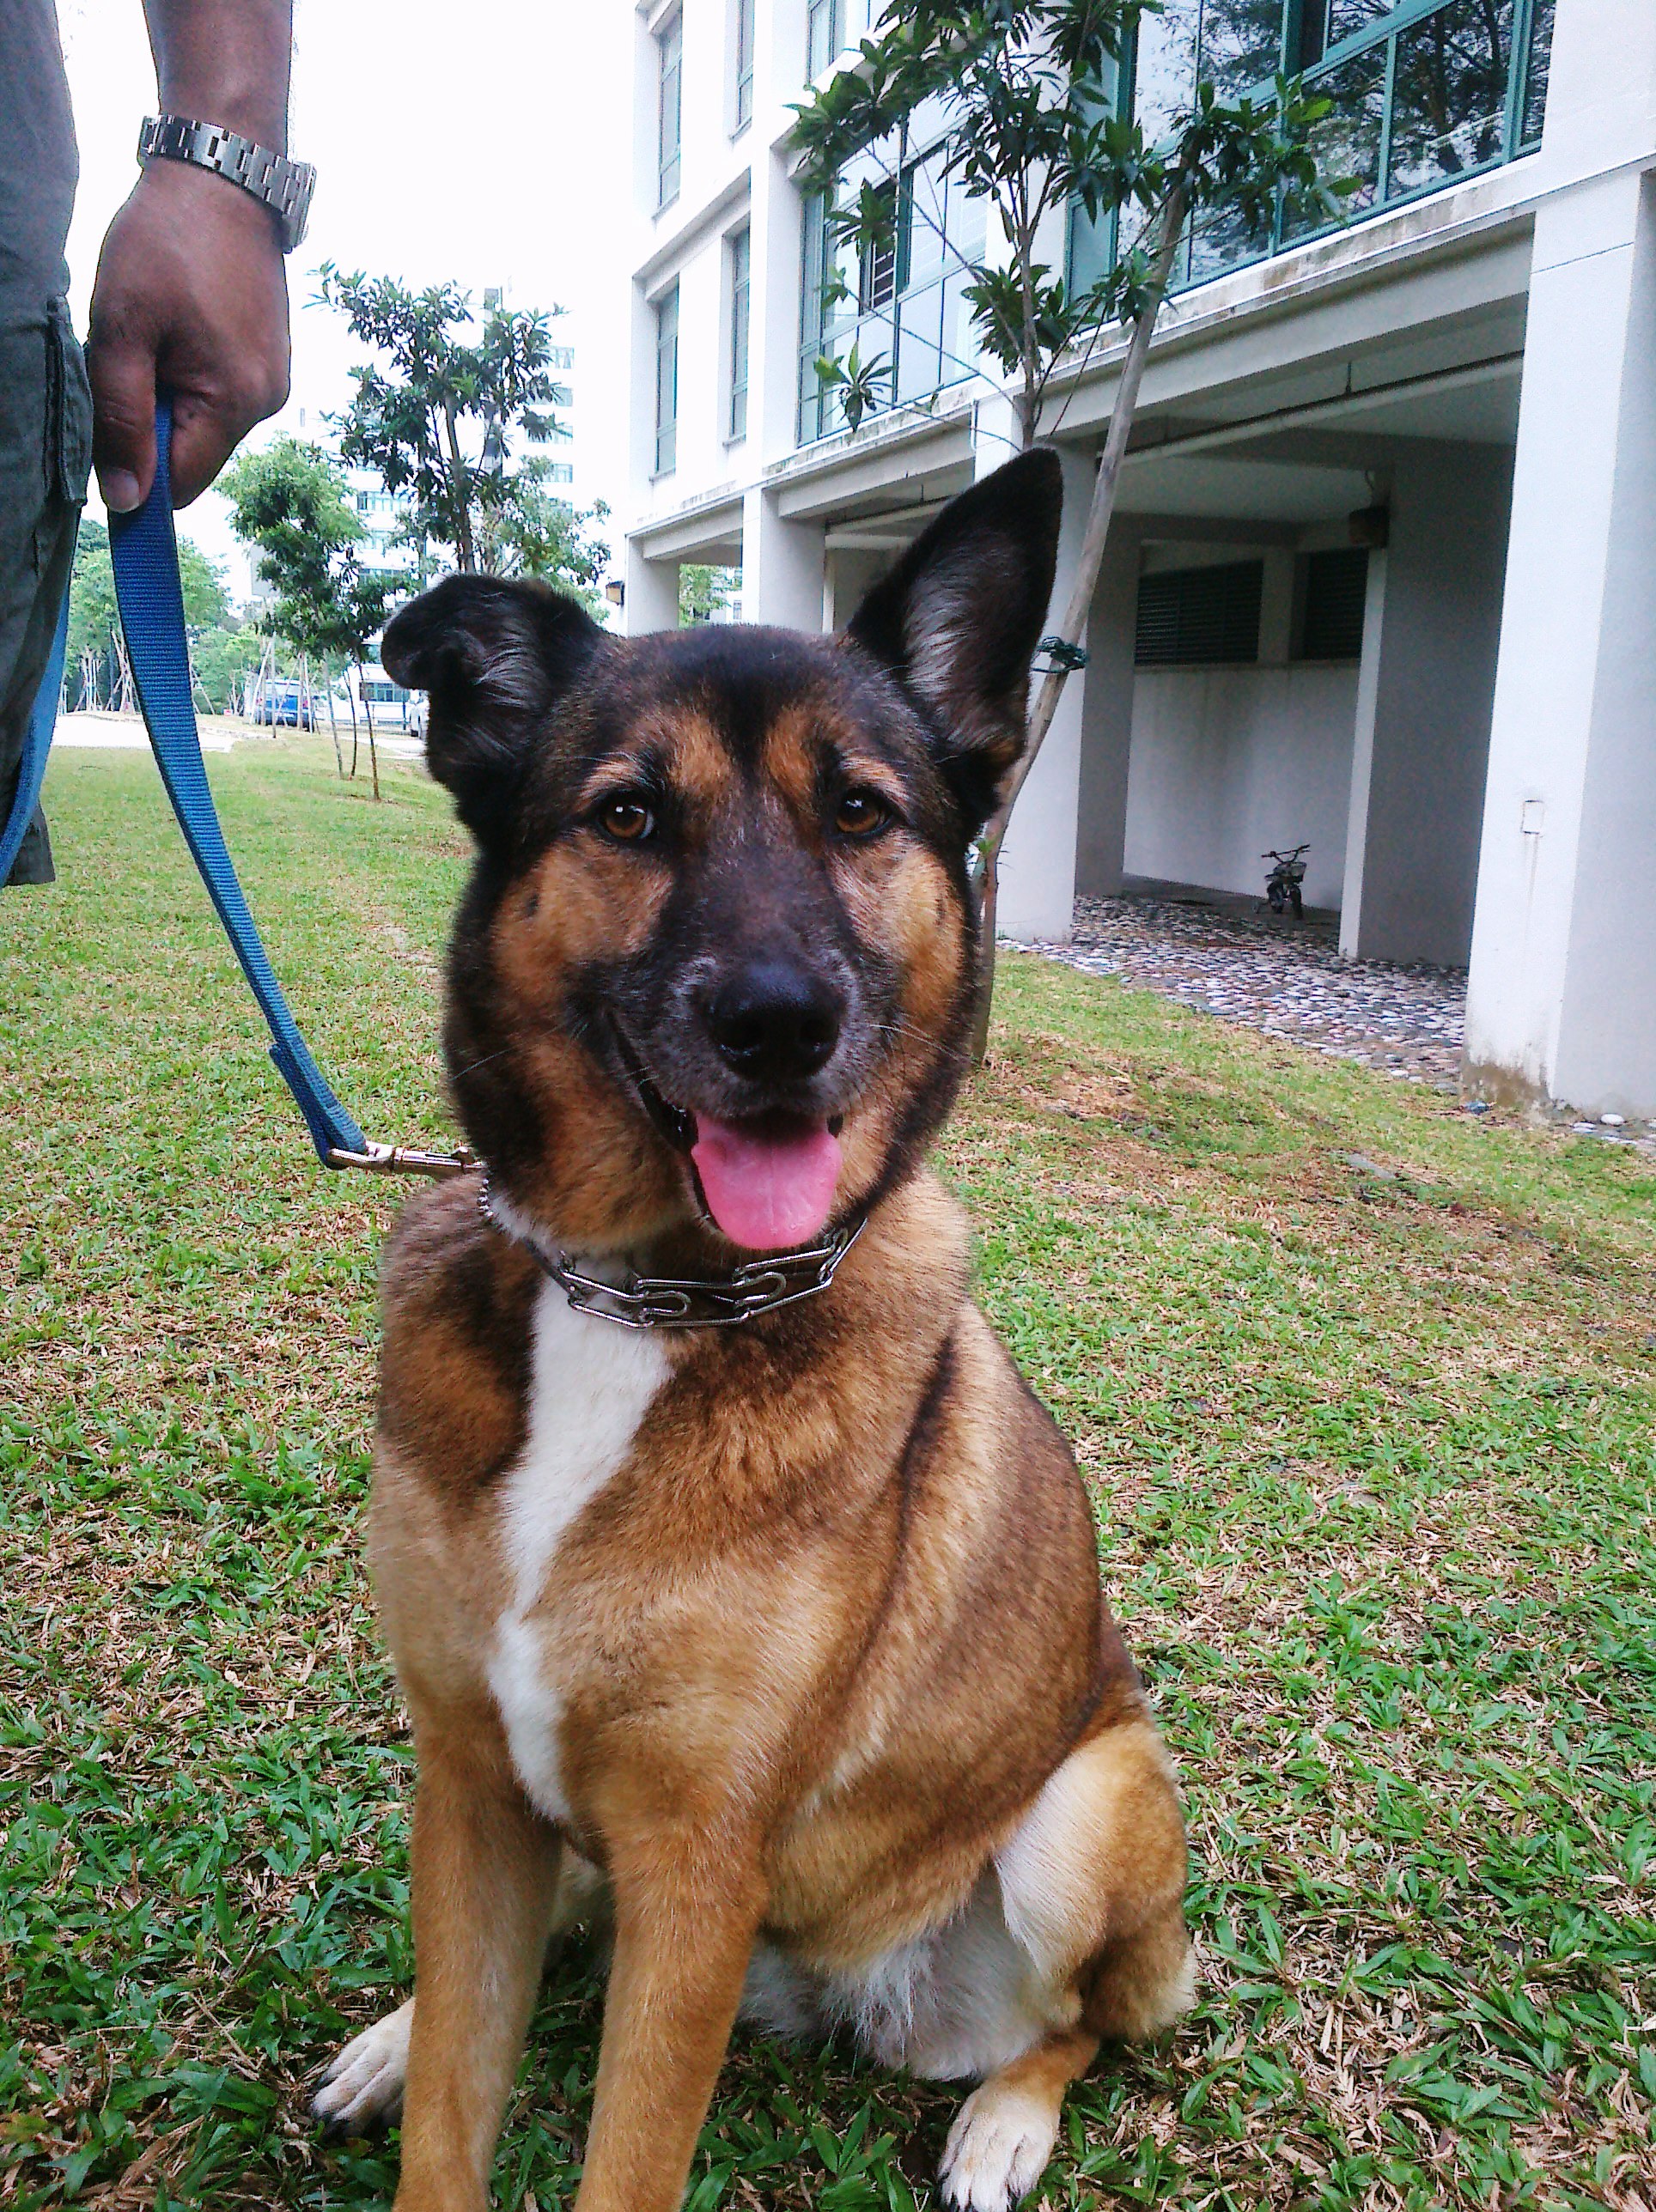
(284, 186)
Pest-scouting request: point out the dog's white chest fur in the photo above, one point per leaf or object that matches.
(591, 1385)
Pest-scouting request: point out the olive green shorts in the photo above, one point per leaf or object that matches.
(45, 451)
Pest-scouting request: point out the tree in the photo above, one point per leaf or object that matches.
(704, 593)
(289, 502)
(95, 619)
(1020, 97)
(448, 402)
(535, 533)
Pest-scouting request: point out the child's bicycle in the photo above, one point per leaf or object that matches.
(1282, 886)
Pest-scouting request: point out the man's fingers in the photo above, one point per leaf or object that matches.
(122, 371)
(204, 436)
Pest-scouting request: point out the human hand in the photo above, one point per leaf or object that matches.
(190, 293)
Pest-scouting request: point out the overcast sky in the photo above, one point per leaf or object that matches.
(481, 140)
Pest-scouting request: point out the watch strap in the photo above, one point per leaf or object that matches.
(284, 186)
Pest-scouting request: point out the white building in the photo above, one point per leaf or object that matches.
(1383, 574)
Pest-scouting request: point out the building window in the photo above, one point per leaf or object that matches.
(903, 306)
(822, 38)
(1197, 618)
(670, 44)
(666, 381)
(876, 273)
(560, 472)
(1335, 586)
(740, 303)
(743, 63)
(561, 358)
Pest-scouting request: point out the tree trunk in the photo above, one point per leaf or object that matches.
(1080, 598)
(351, 696)
(459, 500)
(367, 717)
(333, 721)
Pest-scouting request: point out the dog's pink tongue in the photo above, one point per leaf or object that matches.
(766, 1189)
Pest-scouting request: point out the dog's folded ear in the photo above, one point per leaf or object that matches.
(495, 657)
(958, 618)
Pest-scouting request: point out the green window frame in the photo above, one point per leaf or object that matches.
(667, 382)
(821, 36)
(740, 312)
(1425, 93)
(744, 63)
(670, 47)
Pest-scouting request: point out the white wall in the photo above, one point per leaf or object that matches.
(1228, 761)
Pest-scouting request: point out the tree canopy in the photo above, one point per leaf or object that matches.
(449, 412)
(290, 504)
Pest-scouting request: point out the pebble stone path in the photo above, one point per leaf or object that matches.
(1286, 978)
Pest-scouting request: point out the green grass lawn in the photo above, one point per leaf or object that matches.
(1372, 1458)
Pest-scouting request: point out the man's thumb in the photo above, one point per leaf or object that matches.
(123, 377)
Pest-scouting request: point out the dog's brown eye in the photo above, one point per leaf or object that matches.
(860, 813)
(626, 818)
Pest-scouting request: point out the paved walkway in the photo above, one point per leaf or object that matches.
(1286, 978)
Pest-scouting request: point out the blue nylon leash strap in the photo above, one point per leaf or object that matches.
(144, 554)
(37, 743)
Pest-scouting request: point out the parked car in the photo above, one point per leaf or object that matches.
(285, 704)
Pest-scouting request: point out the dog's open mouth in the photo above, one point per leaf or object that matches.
(767, 1180)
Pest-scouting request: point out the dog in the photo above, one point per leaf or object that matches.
(731, 1569)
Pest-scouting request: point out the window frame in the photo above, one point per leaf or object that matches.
(666, 308)
(669, 99)
(739, 252)
(742, 45)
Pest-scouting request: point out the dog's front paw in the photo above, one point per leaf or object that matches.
(362, 2089)
(997, 2149)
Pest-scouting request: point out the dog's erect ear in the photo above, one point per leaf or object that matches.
(958, 618)
(495, 657)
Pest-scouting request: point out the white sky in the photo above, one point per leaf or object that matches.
(481, 140)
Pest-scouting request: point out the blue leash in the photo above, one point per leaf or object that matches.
(144, 552)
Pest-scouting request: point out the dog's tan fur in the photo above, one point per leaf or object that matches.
(827, 1672)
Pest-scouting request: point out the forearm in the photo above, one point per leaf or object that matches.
(225, 61)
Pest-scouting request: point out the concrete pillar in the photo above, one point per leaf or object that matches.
(1037, 896)
(1562, 997)
(1421, 746)
(853, 571)
(652, 600)
(783, 566)
(1107, 715)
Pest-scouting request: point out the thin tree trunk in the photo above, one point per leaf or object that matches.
(460, 501)
(1080, 598)
(351, 696)
(333, 721)
(367, 717)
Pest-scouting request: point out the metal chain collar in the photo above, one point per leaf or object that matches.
(637, 1301)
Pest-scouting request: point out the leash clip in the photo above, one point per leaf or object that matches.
(402, 1159)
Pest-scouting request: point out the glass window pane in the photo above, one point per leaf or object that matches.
(1535, 88)
(919, 365)
(925, 215)
(1347, 142)
(666, 381)
(1164, 68)
(670, 44)
(743, 62)
(1346, 17)
(1449, 104)
(1241, 42)
(1221, 241)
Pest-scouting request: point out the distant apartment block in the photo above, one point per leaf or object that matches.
(1383, 575)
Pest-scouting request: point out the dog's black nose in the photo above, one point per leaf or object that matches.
(775, 1022)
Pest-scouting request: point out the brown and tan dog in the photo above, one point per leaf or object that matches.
(787, 1635)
